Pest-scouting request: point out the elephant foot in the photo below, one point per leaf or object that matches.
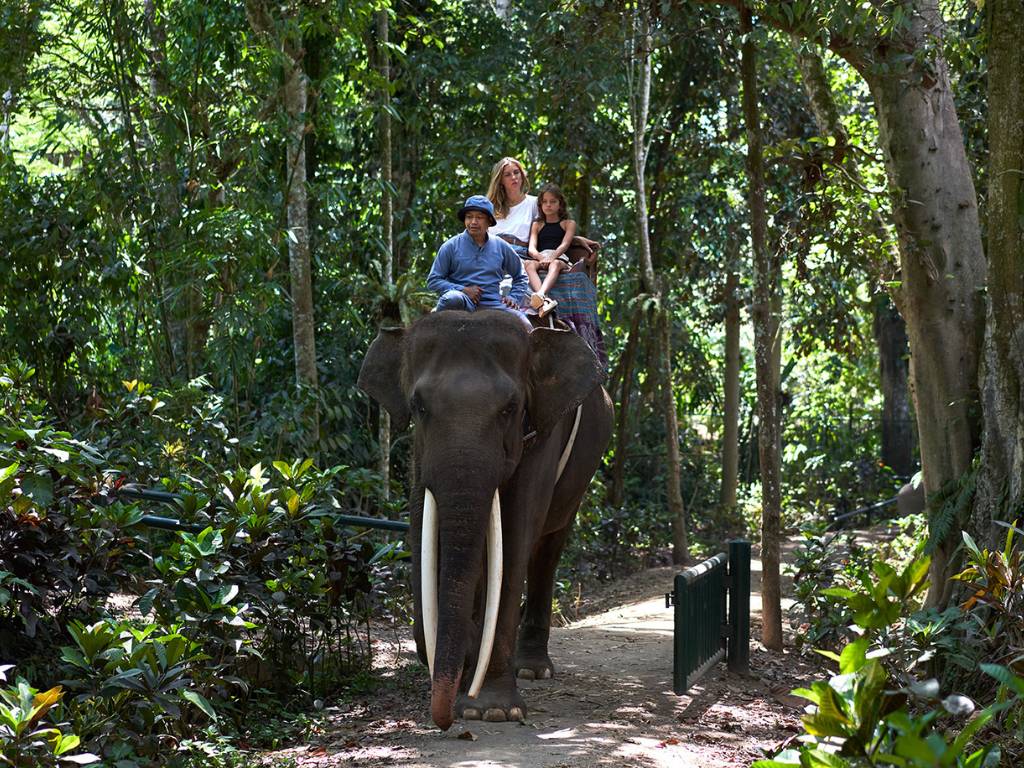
(531, 660)
(534, 663)
(492, 706)
(535, 672)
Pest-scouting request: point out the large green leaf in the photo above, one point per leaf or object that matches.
(39, 488)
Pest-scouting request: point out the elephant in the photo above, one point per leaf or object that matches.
(509, 428)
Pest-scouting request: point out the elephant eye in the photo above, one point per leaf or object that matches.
(509, 409)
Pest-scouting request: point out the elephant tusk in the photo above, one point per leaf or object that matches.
(428, 576)
(493, 597)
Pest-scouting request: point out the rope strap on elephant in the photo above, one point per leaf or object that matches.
(572, 441)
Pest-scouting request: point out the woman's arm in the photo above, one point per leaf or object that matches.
(532, 247)
(570, 232)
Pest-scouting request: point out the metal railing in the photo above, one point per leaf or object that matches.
(712, 616)
(869, 512)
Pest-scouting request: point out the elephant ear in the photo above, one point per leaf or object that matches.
(563, 371)
(381, 372)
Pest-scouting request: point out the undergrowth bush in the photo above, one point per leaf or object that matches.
(162, 642)
(909, 679)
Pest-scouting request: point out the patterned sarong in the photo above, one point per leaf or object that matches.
(577, 307)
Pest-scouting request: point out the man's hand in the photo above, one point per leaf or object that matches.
(591, 246)
(509, 302)
(474, 292)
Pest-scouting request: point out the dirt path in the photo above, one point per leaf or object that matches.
(611, 702)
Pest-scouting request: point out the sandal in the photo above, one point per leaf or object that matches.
(548, 305)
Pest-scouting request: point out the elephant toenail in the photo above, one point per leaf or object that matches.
(545, 674)
(527, 674)
(471, 714)
(495, 715)
(515, 714)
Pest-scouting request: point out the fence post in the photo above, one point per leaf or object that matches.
(738, 653)
(680, 636)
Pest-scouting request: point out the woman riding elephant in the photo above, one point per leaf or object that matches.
(515, 211)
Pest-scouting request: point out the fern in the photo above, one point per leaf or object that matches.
(950, 505)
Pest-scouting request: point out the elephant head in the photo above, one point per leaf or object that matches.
(471, 383)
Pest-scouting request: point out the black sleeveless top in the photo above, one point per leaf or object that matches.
(550, 236)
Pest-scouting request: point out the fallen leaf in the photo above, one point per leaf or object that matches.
(467, 736)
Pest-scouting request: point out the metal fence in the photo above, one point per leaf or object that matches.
(712, 616)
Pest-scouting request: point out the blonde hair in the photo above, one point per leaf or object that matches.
(496, 192)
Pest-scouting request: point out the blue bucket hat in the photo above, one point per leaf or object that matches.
(478, 203)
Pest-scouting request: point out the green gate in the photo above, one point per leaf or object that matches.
(712, 616)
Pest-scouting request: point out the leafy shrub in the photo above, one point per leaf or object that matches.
(28, 738)
(271, 591)
(857, 721)
(823, 559)
(995, 601)
(885, 706)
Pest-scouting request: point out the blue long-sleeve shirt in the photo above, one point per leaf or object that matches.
(461, 262)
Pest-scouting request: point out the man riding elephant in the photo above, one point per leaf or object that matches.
(468, 269)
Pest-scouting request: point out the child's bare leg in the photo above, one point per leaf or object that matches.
(531, 273)
(553, 270)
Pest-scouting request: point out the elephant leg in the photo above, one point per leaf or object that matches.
(498, 702)
(532, 661)
(499, 699)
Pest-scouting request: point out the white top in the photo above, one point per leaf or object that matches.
(519, 219)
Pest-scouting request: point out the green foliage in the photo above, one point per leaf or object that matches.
(270, 597)
(858, 719)
(28, 738)
(823, 560)
(995, 601)
(885, 707)
(884, 593)
(856, 722)
(950, 505)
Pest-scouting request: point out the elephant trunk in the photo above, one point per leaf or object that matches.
(446, 621)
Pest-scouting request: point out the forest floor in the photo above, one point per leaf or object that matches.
(610, 703)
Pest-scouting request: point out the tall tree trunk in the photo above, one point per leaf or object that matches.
(616, 490)
(583, 201)
(673, 467)
(731, 406)
(290, 44)
(767, 349)
(890, 332)
(303, 327)
(408, 91)
(941, 260)
(898, 441)
(299, 261)
(1001, 480)
(387, 222)
(166, 191)
(639, 71)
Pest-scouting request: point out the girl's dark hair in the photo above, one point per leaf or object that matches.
(554, 191)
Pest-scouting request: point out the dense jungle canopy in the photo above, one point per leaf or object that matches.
(810, 286)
